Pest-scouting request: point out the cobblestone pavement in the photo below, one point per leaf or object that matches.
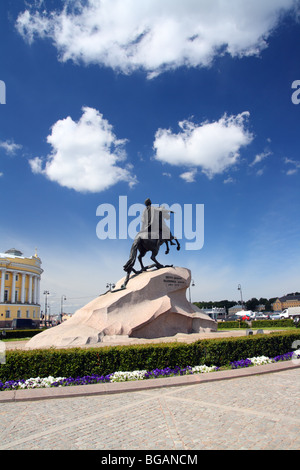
(257, 412)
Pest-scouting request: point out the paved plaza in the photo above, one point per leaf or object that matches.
(250, 412)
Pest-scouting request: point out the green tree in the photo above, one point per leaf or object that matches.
(252, 304)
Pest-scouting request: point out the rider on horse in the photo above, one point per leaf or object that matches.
(154, 232)
(153, 225)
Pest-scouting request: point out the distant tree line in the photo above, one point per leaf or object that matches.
(251, 304)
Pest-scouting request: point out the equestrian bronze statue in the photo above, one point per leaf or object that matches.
(154, 233)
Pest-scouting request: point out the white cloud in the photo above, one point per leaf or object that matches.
(10, 147)
(229, 180)
(85, 154)
(212, 146)
(155, 35)
(189, 176)
(292, 172)
(259, 157)
(295, 166)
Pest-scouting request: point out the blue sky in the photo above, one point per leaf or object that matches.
(183, 102)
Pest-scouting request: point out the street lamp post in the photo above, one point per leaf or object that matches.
(46, 292)
(240, 289)
(63, 297)
(192, 284)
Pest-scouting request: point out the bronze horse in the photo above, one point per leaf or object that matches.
(144, 244)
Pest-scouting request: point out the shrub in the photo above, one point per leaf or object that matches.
(255, 324)
(232, 324)
(76, 362)
(271, 323)
(11, 334)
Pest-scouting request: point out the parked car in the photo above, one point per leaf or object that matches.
(275, 316)
(232, 318)
(261, 316)
(246, 318)
(246, 313)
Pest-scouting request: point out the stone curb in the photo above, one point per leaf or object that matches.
(138, 385)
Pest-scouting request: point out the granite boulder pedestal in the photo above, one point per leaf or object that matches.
(152, 305)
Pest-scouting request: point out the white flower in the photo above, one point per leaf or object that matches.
(38, 382)
(203, 369)
(260, 360)
(125, 376)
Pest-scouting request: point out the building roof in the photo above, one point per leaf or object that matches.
(289, 297)
(13, 251)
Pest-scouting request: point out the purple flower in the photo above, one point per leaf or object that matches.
(241, 363)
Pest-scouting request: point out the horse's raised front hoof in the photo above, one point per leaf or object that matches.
(178, 248)
(167, 251)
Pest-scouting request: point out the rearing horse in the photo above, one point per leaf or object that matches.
(148, 241)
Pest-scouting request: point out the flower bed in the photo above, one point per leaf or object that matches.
(105, 360)
(139, 375)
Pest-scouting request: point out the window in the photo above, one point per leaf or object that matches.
(19, 314)
(6, 277)
(27, 314)
(33, 313)
(5, 295)
(7, 314)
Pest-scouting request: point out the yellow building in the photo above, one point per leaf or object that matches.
(19, 287)
(287, 301)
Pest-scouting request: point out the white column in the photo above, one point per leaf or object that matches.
(2, 285)
(13, 288)
(34, 289)
(38, 279)
(23, 288)
(30, 289)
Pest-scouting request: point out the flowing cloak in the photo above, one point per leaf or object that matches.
(153, 225)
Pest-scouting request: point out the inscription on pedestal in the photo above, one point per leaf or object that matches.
(174, 281)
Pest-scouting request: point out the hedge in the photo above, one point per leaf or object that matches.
(255, 324)
(224, 325)
(271, 323)
(11, 334)
(77, 362)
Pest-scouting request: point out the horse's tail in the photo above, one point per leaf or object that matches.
(132, 257)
